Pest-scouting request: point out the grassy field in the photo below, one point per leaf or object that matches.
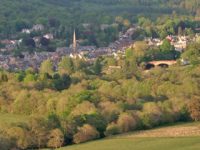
(189, 143)
(178, 137)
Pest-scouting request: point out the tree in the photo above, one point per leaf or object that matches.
(126, 122)
(29, 78)
(53, 22)
(151, 115)
(44, 41)
(166, 46)
(3, 77)
(22, 103)
(85, 133)
(66, 65)
(119, 19)
(21, 136)
(46, 67)
(56, 138)
(29, 42)
(39, 128)
(79, 64)
(6, 142)
(194, 108)
(84, 108)
(192, 54)
(97, 67)
(109, 110)
(112, 129)
(130, 67)
(21, 24)
(126, 23)
(61, 82)
(20, 76)
(139, 48)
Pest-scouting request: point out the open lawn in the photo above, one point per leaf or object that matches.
(189, 143)
(178, 137)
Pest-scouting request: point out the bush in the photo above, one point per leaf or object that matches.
(56, 138)
(112, 129)
(85, 133)
(126, 122)
(109, 110)
(151, 115)
(6, 143)
(20, 135)
(194, 108)
(149, 120)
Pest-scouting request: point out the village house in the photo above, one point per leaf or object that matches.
(26, 31)
(86, 25)
(49, 36)
(37, 27)
(154, 41)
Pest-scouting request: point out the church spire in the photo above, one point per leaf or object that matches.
(74, 42)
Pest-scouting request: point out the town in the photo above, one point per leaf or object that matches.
(9, 61)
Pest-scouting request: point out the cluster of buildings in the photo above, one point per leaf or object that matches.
(10, 45)
(37, 27)
(34, 60)
(179, 42)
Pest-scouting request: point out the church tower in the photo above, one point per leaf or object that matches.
(74, 42)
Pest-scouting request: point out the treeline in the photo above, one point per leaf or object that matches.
(69, 14)
(80, 101)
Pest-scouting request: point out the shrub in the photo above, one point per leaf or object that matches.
(194, 108)
(126, 122)
(109, 110)
(149, 120)
(112, 129)
(20, 135)
(56, 138)
(85, 133)
(151, 115)
(84, 108)
(6, 143)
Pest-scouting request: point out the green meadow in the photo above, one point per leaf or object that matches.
(183, 136)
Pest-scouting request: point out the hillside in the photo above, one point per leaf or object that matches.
(73, 12)
(96, 22)
(133, 67)
(183, 137)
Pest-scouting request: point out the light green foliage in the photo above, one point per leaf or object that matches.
(66, 66)
(192, 54)
(166, 46)
(46, 67)
(29, 78)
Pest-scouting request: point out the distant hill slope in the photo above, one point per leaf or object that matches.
(70, 12)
